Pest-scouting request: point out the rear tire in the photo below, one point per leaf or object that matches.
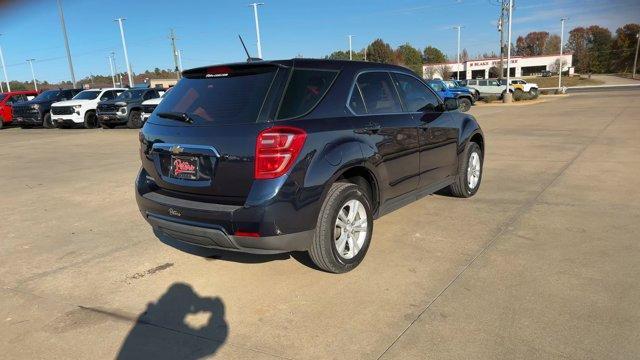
(135, 120)
(90, 120)
(467, 182)
(464, 104)
(47, 122)
(341, 239)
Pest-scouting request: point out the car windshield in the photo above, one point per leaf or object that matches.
(87, 95)
(222, 94)
(48, 95)
(437, 86)
(451, 83)
(131, 94)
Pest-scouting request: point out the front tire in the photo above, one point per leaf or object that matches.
(135, 120)
(467, 182)
(90, 120)
(344, 229)
(47, 122)
(464, 104)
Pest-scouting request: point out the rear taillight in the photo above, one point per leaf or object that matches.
(276, 150)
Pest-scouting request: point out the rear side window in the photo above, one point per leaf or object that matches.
(378, 93)
(221, 95)
(304, 91)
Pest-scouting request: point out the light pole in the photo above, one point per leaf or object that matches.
(255, 15)
(562, 20)
(172, 37)
(66, 43)
(507, 95)
(180, 60)
(124, 47)
(33, 74)
(350, 49)
(4, 68)
(635, 60)
(113, 75)
(458, 57)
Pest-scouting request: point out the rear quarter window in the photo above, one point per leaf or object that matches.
(305, 90)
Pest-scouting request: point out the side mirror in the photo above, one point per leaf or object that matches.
(451, 104)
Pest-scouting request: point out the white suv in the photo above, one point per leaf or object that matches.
(81, 110)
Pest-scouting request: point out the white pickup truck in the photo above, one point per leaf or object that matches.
(81, 109)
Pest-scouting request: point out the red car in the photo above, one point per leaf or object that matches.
(7, 99)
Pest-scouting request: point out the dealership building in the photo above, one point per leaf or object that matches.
(479, 69)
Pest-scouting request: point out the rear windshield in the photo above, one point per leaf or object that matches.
(306, 89)
(221, 95)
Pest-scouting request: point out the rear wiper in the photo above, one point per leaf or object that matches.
(176, 116)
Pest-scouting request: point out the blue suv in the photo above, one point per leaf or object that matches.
(463, 95)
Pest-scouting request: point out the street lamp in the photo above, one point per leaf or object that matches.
(562, 20)
(458, 57)
(350, 48)
(33, 74)
(255, 15)
(4, 68)
(126, 55)
(507, 95)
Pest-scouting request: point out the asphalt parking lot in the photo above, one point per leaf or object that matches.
(542, 263)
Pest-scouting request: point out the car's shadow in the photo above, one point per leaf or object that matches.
(239, 257)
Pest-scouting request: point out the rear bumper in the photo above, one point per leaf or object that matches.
(215, 225)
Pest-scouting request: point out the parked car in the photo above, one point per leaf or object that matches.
(81, 110)
(520, 87)
(8, 99)
(149, 105)
(488, 87)
(458, 85)
(465, 99)
(125, 109)
(299, 155)
(36, 112)
(546, 73)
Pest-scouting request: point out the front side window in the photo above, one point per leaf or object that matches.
(305, 90)
(378, 93)
(414, 94)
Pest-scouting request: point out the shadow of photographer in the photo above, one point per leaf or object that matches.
(180, 325)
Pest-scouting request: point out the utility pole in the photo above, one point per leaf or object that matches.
(507, 95)
(172, 36)
(126, 56)
(66, 43)
(562, 20)
(458, 57)
(113, 76)
(255, 15)
(503, 11)
(635, 60)
(33, 74)
(4, 68)
(350, 49)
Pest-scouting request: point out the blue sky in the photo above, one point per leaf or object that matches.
(207, 29)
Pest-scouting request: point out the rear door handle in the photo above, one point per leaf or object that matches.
(372, 128)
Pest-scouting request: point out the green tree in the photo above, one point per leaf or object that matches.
(338, 55)
(578, 45)
(380, 51)
(624, 47)
(410, 57)
(433, 55)
(600, 43)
